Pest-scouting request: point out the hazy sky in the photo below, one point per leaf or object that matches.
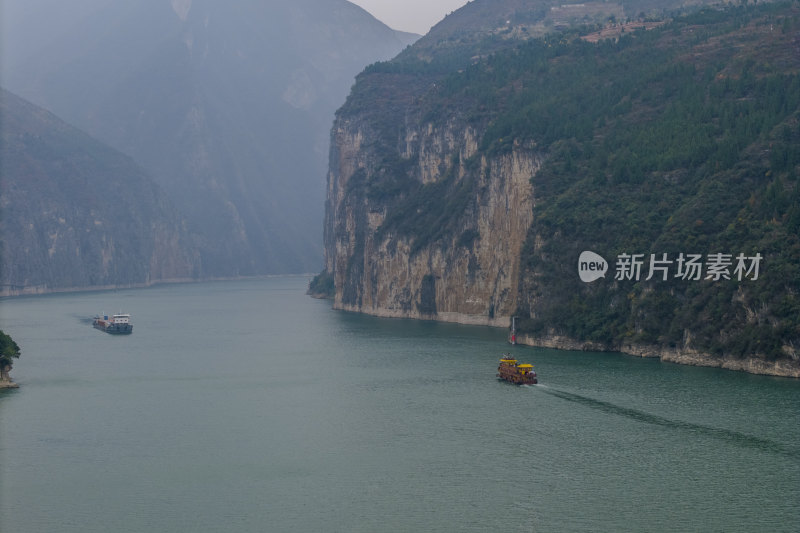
(410, 15)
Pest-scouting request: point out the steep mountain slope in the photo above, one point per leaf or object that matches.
(504, 20)
(467, 179)
(77, 214)
(226, 104)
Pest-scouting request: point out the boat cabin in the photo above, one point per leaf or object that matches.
(120, 319)
(525, 368)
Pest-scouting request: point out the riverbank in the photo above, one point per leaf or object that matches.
(789, 368)
(753, 365)
(451, 317)
(8, 384)
(10, 291)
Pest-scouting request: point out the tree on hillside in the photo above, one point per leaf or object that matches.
(9, 350)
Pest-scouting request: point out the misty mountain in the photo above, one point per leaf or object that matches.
(79, 214)
(504, 20)
(227, 105)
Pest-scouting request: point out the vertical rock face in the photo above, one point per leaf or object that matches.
(77, 214)
(440, 241)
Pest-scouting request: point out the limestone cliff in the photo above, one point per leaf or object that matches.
(466, 267)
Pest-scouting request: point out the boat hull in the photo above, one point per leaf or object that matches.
(118, 329)
(518, 380)
(112, 328)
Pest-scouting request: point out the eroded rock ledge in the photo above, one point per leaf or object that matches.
(8, 384)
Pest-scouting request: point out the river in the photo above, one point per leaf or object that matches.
(248, 406)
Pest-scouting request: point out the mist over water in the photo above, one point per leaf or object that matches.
(248, 406)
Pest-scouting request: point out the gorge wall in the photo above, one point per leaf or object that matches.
(77, 214)
(469, 174)
(226, 106)
(464, 269)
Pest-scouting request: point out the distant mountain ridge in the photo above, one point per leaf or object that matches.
(77, 214)
(227, 105)
(515, 19)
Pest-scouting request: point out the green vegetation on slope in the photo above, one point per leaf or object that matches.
(683, 139)
(9, 350)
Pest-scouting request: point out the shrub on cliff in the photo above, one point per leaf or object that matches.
(322, 285)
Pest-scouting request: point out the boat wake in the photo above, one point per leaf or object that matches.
(83, 319)
(733, 437)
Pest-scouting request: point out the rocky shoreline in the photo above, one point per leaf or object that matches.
(456, 318)
(753, 365)
(8, 384)
(789, 368)
(17, 291)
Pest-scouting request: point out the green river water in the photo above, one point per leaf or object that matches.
(248, 406)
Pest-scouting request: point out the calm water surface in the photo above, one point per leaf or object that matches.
(248, 406)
